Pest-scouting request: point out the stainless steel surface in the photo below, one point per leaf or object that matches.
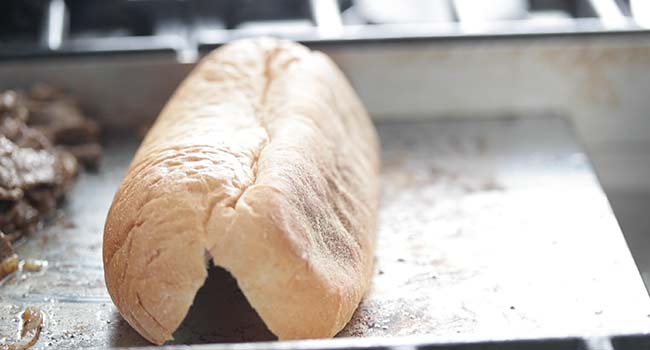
(631, 210)
(492, 229)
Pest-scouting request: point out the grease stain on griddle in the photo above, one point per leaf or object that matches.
(31, 323)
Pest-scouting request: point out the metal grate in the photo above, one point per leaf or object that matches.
(64, 27)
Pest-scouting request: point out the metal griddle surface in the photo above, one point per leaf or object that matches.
(488, 230)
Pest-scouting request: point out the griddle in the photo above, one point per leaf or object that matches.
(494, 234)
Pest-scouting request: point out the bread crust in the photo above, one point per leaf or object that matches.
(265, 159)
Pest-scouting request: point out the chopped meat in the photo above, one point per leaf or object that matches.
(60, 119)
(87, 154)
(33, 180)
(6, 250)
(13, 118)
(43, 137)
(8, 259)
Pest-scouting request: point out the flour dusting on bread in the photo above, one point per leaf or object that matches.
(265, 158)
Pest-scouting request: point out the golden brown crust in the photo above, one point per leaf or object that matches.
(265, 158)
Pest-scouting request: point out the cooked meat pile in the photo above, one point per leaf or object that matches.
(60, 119)
(8, 259)
(43, 138)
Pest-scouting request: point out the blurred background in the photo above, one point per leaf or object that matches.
(586, 60)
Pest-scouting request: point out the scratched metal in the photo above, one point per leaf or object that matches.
(492, 229)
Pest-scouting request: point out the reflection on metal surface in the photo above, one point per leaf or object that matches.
(599, 343)
(503, 10)
(641, 12)
(56, 23)
(405, 11)
(609, 12)
(327, 16)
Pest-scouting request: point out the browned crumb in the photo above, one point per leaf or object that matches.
(34, 265)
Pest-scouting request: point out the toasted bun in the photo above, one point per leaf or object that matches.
(266, 160)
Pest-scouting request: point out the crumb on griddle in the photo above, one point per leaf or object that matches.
(34, 265)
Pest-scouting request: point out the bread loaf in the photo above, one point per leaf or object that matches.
(265, 161)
